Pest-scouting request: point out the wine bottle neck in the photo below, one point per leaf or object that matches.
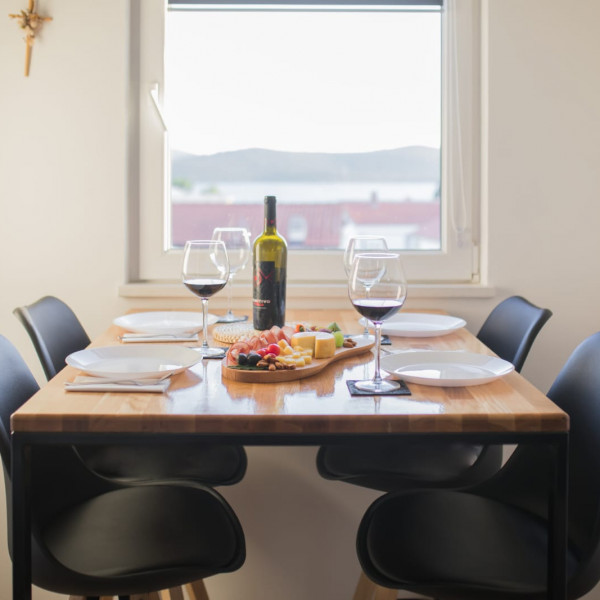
(270, 216)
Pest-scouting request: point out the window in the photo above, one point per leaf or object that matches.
(360, 118)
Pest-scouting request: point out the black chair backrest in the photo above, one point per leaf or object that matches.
(525, 478)
(577, 391)
(54, 330)
(511, 328)
(17, 385)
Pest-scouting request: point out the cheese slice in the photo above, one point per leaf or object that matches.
(304, 339)
(324, 345)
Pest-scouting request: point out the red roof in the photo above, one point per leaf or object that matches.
(320, 225)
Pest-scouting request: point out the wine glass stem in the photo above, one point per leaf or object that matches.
(204, 322)
(229, 294)
(366, 330)
(377, 376)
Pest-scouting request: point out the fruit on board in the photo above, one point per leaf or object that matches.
(339, 338)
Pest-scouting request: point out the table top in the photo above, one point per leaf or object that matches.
(199, 400)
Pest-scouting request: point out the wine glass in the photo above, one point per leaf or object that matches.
(205, 272)
(362, 244)
(237, 242)
(377, 289)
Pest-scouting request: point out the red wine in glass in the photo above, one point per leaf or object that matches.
(205, 272)
(377, 310)
(377, 290)
(204, 288)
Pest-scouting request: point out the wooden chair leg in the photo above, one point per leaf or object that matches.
(369, 590)
(365, 588)
(197, 590)
(172, 594)
(383, 593)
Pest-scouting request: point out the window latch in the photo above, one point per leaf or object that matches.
(157, 106)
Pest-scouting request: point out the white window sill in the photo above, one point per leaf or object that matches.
(304, 295)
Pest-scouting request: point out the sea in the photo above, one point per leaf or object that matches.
(253, 192)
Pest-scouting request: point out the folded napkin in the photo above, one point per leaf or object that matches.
(158, 337)
(102, 384)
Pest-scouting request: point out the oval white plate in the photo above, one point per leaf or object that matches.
(450, 369)
(138, 362)
(164, 322)
(419, 325)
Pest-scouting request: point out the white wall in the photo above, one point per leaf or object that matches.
(62, 232)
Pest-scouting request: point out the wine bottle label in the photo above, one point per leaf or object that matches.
(269, 295)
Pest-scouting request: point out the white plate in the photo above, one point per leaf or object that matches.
(137, 362)
(165, 322)
(419, 325)
(451, 369)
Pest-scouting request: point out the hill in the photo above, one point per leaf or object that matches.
(412, 163)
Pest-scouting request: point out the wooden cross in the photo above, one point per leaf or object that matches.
(30, 22)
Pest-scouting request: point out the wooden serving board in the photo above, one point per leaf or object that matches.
(255, 376)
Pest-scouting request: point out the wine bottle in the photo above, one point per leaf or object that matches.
(269, 272)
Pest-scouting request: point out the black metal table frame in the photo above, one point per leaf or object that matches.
(21, 484)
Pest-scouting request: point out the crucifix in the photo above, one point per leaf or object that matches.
(30, 21)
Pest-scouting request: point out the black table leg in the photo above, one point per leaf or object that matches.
(21, 525)
(558, 519)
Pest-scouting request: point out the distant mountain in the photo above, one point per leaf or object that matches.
(412, 163)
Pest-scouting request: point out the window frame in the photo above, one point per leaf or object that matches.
(458, 261)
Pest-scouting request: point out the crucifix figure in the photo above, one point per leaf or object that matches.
(30, 21)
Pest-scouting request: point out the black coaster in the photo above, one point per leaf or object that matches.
(354, 391)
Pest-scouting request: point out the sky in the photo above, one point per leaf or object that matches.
(302, 82)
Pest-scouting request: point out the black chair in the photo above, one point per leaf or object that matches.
(511, 328)
(509, 331)
(490, 542)
(56, 332)
(96, 537)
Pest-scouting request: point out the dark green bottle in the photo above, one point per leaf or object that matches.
(269, 272)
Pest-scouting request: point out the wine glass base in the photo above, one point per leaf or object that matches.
(377, 387)
(231, 318)
(211, 352)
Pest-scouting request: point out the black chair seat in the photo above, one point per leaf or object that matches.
(462, 545)
(140, 538)
(211, 464)
(406, 464)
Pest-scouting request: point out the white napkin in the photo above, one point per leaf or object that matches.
(102, 384)
(158, 337)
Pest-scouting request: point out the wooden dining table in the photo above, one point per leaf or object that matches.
(202, 403)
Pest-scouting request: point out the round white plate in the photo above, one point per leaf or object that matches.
(419, 325)
(138, 362)
(450, 369)
(164, 322)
